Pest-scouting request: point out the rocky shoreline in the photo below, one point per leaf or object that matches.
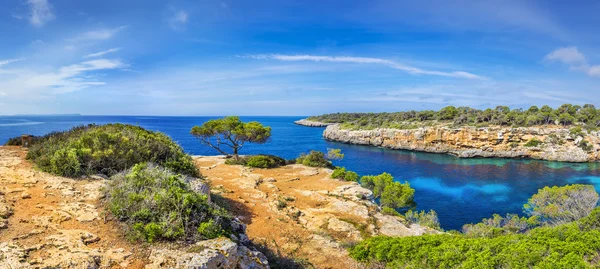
(308, 123)
(555, 143)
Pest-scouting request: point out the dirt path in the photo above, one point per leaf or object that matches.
(50, 221)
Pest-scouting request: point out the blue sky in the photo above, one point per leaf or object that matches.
(226, 57)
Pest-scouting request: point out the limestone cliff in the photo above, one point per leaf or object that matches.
(556, 144)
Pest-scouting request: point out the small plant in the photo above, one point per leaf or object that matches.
(534, 142)
(513, 145)
(258, 161)
(576, 131)
(281, 205)
(429, 219)
(586, 145)
(314, 159)
(210, 230)
(390, 211)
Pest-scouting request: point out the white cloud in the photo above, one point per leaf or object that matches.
(41, 12)
(575, 59)
(101, 53)
(5, 62)
(99, 34)
(181, 16)
(568, 55)
(366, 60)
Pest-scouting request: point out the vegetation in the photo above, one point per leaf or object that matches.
(314, 159)
(534, 142)
(559, 205)
(564, 239)
(342, 173)
(391, 194)
(16, 141)
(231, 132)
(157, 204)
(570, 245)
(429, 219)
(258, 161)
(107, 149)
(566, 115)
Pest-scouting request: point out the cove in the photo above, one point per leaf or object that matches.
(460, 190)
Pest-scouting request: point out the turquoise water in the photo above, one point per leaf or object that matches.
(460, 190)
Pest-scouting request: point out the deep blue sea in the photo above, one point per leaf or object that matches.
(460, 190)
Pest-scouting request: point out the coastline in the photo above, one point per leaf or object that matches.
(308, 123)
(557, 144)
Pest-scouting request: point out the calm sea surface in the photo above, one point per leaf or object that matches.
(459, 190)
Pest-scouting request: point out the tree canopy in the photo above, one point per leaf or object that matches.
(231, 132)
(587, 115)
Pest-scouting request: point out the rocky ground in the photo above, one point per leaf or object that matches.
(309, 123)
(557, 143)
(300, 212)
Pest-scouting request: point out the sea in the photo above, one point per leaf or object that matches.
(461, 191)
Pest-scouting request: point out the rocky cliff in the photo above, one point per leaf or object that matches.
(544, 143)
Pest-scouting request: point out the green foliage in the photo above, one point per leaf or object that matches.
(572, 245)
(586, 145)
(377, 183)
(565, 115)
(429, 219)
(534, 142)
(158, 204)
(558, 205)
(396, 195)
(107, 149)
(342, 173)
(314, 159)
(392, 194)
(576, 131)
(258, 161)
(210, 230)
(390, 211)
(231, 132)
(335, 154)
(498, 225)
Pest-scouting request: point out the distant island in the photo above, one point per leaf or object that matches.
(568, 133)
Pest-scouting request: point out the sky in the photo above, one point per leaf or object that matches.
(278, 57)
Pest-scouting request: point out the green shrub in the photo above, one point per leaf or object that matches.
(342, 173)
(158, 204)
(429, 219)
(498, 225)
(586, 145)
(576, 131)
(396, 195)
(573, 245)
(258, 161)
(558, 205)
(390, 211)
(376, 183)
(534, 142)
(107, 149)
(314, 159)
(16, 141)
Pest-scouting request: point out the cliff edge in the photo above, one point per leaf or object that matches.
(543, 143)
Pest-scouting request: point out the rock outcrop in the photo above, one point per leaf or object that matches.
(305, 122)
(555, 144)
(301, 212)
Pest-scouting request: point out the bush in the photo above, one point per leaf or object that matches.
(107, 149)
(390, 211)
(16, 141)
(573, 245)
(314, 159)
(576, 131)
(429, 219)
(342, 173)
(534, 142)
(258, 161)
(558, 205)
(498, 225)
(376, 183)
(396, 195)
(586, 145)
(157, 204)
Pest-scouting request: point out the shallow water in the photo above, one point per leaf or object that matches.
(460, 190)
